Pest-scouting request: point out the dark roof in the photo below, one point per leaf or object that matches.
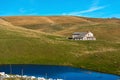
(80, 33)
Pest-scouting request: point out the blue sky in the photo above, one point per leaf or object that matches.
(86, 8)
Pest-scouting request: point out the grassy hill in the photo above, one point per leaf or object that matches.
(42, 40)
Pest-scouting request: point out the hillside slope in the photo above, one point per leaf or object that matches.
(48, 24)
(63, 25)
(35, 40)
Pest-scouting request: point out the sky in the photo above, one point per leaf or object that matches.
(84, 8)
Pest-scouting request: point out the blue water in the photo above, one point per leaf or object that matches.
(63, 72)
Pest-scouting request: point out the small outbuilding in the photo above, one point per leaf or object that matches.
(83, 36)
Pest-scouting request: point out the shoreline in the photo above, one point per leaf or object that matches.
(4, 76)
(91, 70)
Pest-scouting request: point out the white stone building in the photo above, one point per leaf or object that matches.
(83, 36)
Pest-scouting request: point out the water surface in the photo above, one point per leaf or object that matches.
(64, 72)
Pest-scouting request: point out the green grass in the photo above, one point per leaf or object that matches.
(101, 55)
(35, 51)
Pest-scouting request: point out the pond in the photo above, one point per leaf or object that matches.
(62, 72)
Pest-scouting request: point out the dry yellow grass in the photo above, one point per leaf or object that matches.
(64, 25)
(102, 20)
(23, 31)
(3, 22)
(26, 20)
